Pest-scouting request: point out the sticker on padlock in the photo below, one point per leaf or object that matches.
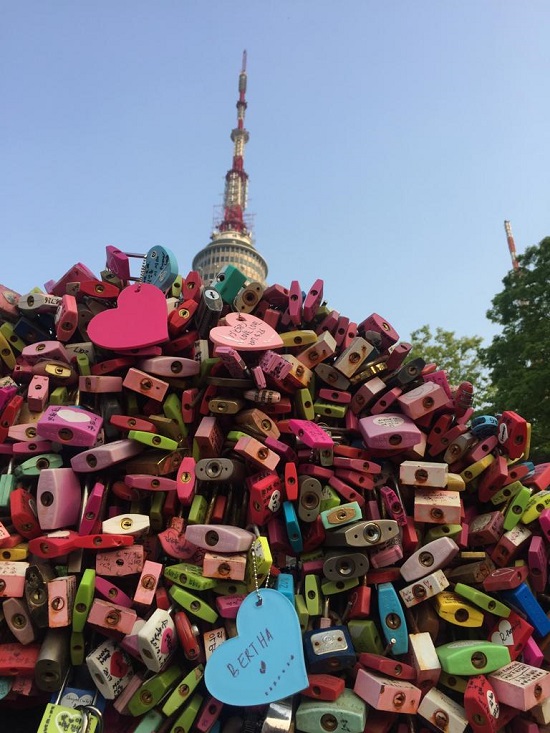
(69, 425)
(424, 588)
(521, 685)
(60, 715)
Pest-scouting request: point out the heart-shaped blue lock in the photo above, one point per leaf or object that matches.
(265, 661)
(160, 268)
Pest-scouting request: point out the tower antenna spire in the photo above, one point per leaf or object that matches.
(231, 241)
(511, 245)
(235, 195)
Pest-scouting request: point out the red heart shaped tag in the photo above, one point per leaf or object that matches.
(118, 666)
(167, 641)
(245, 332)
(140, 319)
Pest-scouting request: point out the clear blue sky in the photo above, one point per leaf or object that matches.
(388, 141)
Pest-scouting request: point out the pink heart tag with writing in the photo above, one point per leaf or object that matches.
(139, 320)
(245, 332)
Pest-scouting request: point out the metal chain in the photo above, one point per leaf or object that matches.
(255, 570)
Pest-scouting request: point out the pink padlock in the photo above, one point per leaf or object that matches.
(69, 425)
(46, 350)
(389, 431)
(30, 448)
(313, 300)
(257, 453)
(111, 616)
(422, 400)
(118, 563)
(386, 693)
(311, 434)
(220, 537)
(58, 498)
(111, 592)
(37, 393)
(147, 583)
(103, 456)
(61, 592)
(12, 579)
(90, 521)
(170, 366)
(66, 318)
(99, 384)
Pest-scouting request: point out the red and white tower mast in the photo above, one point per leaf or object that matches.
(511, 245)
(236, 179)
(231, 241)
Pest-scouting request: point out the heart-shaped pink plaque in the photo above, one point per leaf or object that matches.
(245, 332)
(140, 319)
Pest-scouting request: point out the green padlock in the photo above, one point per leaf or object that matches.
(59, 396)
(193, 604)
(347, 713)
(183, 690)
(83, 365)
(515, 510)
(153, 439)
(506, 493)
(312, 594)
(453, 682)
(153, 690)
(442, 530)
(197, 510)
(331, 587)
(301, 611)
(303, 402)
(488, 603)
(228, 282)
(330, 409)
(83, 599)
(33, 466)
(365, 636)
(187, 717)
(189, 576)
(16, 344)
(230, 587)
(59, 718)
(172, 409)
(472, 657)
(329, 499)
(155, 511)
(7, 485)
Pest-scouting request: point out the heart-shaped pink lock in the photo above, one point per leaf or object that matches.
(245, 332)
(139, 320)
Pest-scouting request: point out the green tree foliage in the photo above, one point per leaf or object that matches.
(518, 359)
(459, 356)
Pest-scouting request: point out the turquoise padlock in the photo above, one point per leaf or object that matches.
(160, 268)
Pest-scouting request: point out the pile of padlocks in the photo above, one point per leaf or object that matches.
(228, 508)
